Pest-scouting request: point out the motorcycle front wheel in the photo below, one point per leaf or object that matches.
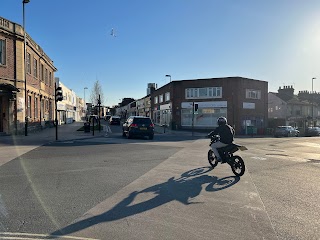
(212, 159)
(237, 166)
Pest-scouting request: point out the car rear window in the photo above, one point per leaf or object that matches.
(142, 120)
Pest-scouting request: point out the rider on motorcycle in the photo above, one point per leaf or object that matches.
(226, 133)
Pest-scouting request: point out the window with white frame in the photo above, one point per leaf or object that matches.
(3, 52)
(161, 98)
(155, 100)
(253, 94)
(167, 96)
(206, 92)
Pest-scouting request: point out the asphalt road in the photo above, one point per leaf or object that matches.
(60, 187)
(286, 172)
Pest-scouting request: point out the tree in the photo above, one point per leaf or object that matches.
(96, 90)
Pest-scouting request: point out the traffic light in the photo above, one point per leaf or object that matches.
(59, 94)
(196, 107)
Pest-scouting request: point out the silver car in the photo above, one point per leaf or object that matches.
(286, 131)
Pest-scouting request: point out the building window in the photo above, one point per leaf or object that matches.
(161, 98)
(253, 94)
(42, 72)
(29, 106)
(35, 107)
(200, 93)
(47, 105)
(50, 79)
(155, 100)
(46, 77)
(28, 63)
(3, 52)
(167, 96)
(35, 68)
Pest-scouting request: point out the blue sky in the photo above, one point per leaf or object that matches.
(276, 40)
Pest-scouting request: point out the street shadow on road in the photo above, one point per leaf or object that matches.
(183, 189)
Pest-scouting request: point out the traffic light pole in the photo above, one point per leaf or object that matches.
(56, 119)
(192, 117)
(58, 96)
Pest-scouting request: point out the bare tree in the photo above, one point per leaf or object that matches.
(96, 90)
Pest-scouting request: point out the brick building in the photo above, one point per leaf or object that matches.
(39, 79)
(243, 101)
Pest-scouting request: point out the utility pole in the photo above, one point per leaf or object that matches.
(99, 103)
(56, 111)
(312, 102)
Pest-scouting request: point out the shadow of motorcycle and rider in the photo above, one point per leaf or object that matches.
(183, 189)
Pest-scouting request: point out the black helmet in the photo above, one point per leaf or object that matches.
(222, 121)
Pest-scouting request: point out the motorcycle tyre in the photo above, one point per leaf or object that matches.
(212, 160)
(241, 162)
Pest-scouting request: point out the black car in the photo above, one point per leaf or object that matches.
(138, 126)
(114, 120)
(312, 131)
(107, 117)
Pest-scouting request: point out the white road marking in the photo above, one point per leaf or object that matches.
(13, 235)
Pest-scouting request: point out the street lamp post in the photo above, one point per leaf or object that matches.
(169, 77)
(84, 99)
(312, 102)
(25, 73)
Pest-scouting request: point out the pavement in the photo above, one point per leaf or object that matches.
(13, 146)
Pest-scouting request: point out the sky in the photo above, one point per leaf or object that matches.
(276, 41)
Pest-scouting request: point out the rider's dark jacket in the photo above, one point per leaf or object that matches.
(226, 133)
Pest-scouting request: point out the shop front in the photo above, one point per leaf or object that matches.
(206, 115)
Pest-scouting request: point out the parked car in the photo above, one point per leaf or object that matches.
(107, 117)
(114, 120)
(286, 131)
(138, 126)
(312, 131)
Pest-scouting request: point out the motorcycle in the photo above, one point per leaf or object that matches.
(226, 153)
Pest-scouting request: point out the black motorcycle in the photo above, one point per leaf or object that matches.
(226, 153)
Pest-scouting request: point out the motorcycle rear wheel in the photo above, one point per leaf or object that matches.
(212, 159)
(237, 166)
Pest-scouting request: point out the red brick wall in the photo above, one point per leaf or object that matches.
(233, 91)
(8, 70)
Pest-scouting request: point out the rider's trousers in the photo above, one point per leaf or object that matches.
(216, 145)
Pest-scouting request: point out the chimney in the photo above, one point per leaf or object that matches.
(286, 93)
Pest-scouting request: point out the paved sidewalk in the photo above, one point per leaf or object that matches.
(65, 132)
(14, 146)
(161, 130)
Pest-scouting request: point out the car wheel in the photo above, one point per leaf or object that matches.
(151, 136)
(129, 135)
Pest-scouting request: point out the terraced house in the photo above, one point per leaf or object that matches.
(38, 110)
